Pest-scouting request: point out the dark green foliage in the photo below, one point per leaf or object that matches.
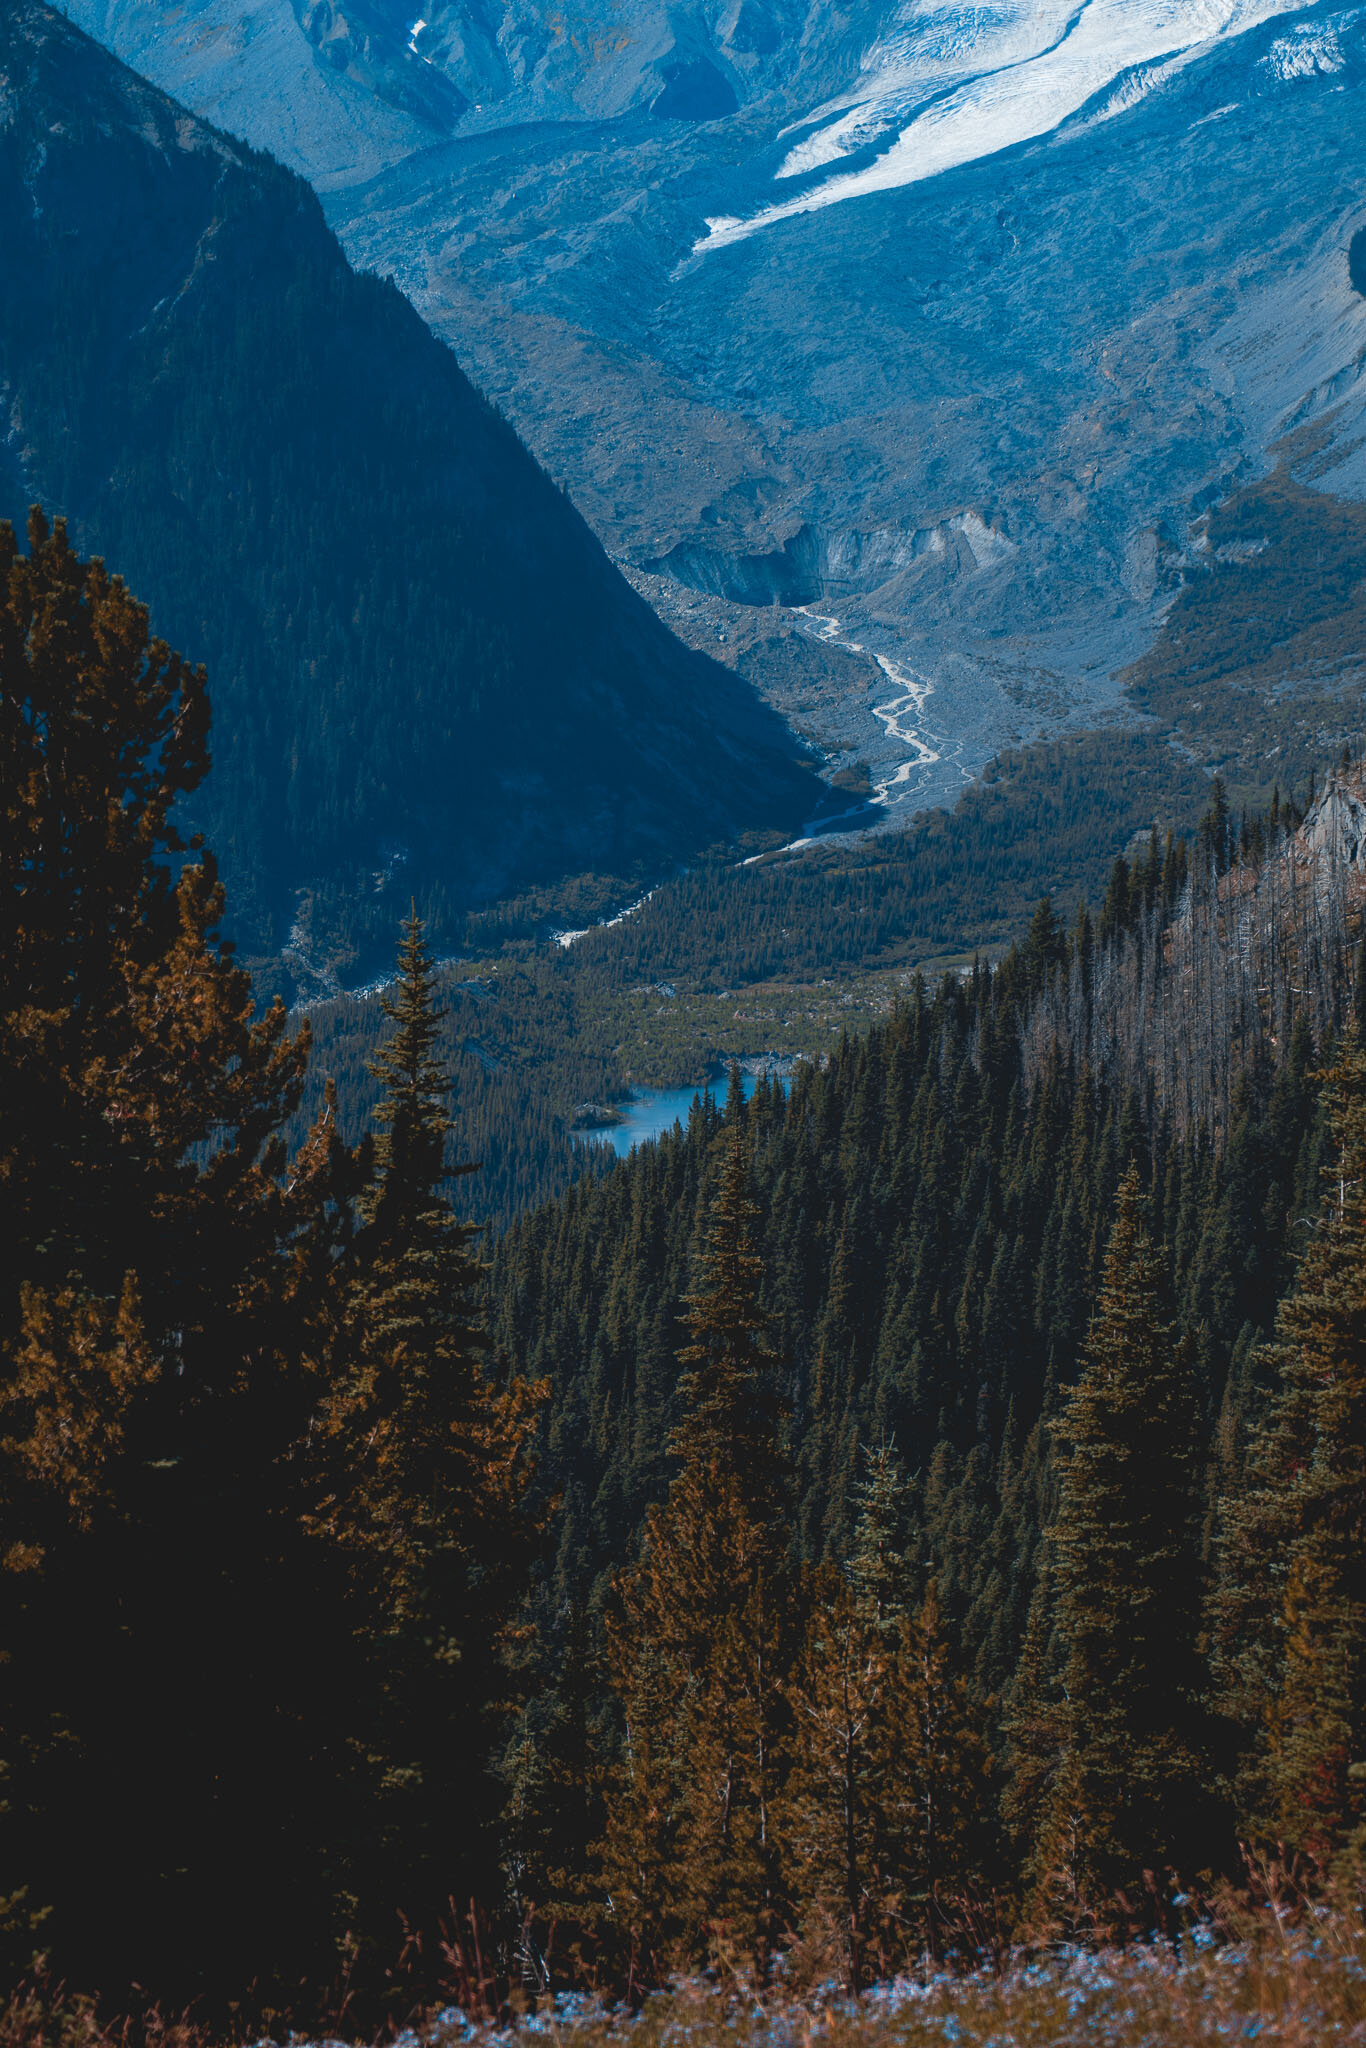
(533, 1035)
(889, 1818)
(699, 1636)
(1040, 822)
(1128, 1788)
(934, 1207)
(160, 1611)
(261, 1524)
(420, 1463)
(522, 1050)
(1290, 1611)
(877, 1559)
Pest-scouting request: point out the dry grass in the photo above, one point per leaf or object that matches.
(1283, 1985)
(44, 2014)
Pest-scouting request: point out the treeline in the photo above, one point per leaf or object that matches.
(1041, 822)
(545, 1028)
(934, 1203)
(1212, 968)
(522, 1052)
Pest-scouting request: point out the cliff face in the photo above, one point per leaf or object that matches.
(1333, 835)
(425, 672)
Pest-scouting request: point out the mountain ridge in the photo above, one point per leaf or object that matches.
(428, 675)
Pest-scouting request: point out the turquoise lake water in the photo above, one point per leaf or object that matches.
(652, 1111)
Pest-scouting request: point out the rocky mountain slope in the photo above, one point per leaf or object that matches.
(948, 322)
(426, 674)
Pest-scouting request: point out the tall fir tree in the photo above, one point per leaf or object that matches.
(1128, 1792)
(947, 1825)
(847, 1894)
(701, 1637)
(423, 1455)
(888, 1809)
(879, 1569)
(166, 1268)
(1289, 1616)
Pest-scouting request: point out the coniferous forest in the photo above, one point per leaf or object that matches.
(904, 1519)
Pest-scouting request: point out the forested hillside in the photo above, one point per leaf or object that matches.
(935, 1202)
(1012, 1267)
(427, 675)
(891, 1526)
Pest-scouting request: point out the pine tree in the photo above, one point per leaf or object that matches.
(1035, 1728)
(847, 1893)
(1216, 829)
(833, 1815)
(731, 1410)
(934, 1738)
(878, 1566)
(423, 1457)
(1127, 1794)
(887, 1808)
(1290, 1608)
(554, 1768)
(699, 1641)
(164, 1269)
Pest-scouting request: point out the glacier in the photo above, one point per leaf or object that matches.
(967, 84)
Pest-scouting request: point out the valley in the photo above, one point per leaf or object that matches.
(682, 1023)
(995, 313)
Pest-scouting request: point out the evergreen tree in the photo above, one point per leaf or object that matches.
(878, 1566)
(165, 1268)
(699, 1641)
(423, 1457)
(1128, 1793)
(731, 1410)
(887, 1813)
(554, 1768)
(1290, 1610)
(835, 1816)
(935, 1733)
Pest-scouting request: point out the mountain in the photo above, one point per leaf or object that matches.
(952, 323)
(426, 674)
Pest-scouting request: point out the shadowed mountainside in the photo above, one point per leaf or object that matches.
(426, 673)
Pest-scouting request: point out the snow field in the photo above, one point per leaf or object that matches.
(957, 84)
